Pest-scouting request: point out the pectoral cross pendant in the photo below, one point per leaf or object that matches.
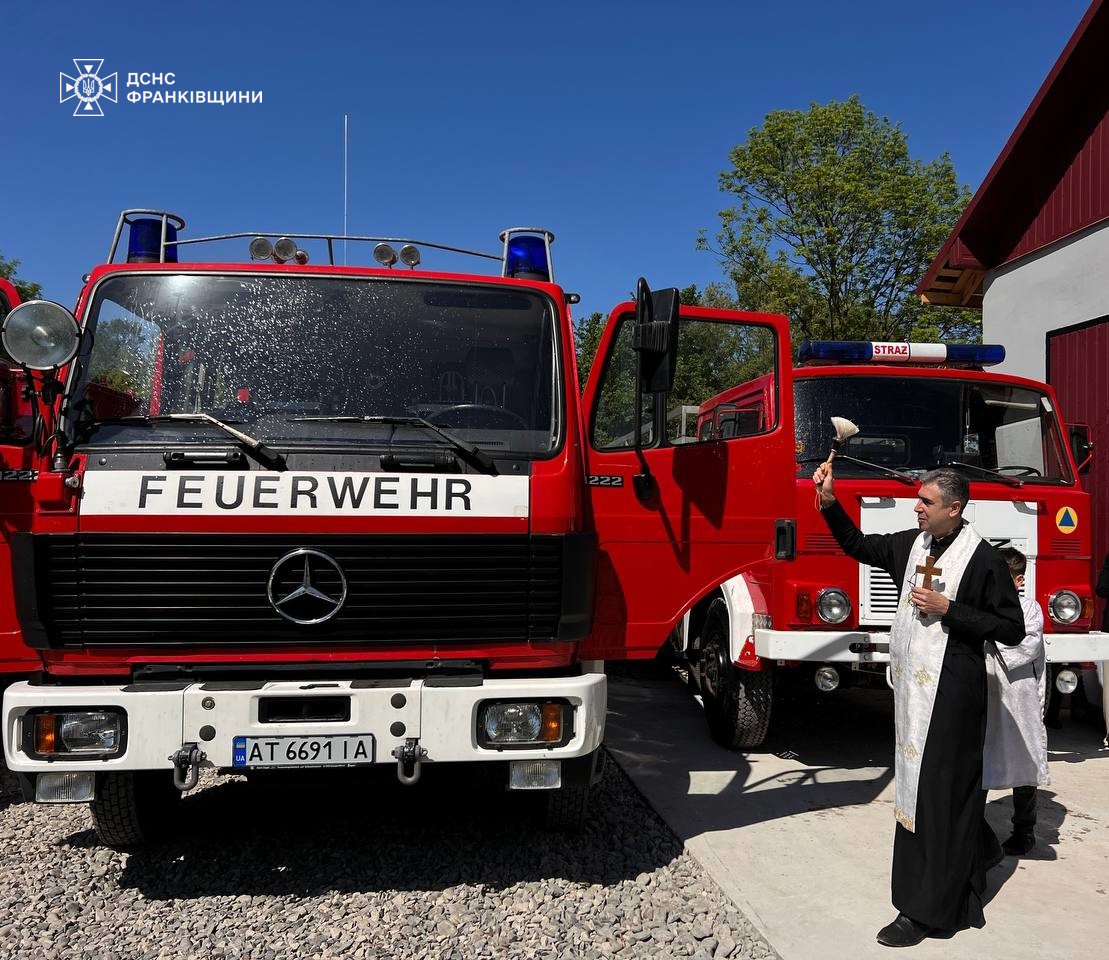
(929, 571)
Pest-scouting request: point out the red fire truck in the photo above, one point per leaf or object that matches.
(278, 512)
(917, 406)
(16, 474)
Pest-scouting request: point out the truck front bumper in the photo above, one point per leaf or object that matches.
(824, 646)
(859, 646)
(1077, 647)
(443, 719)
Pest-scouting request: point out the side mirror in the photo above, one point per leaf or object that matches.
(1081, 446)
(656, 337)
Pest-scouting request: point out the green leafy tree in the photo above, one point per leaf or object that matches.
(587, 332)
(836, 223)
(712, 357)
(27, 290)
(587, 338)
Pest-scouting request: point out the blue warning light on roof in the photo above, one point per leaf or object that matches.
(526, 258)
(144, 242)
(836, 351)
(983, 354)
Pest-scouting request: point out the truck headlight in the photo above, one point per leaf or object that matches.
(519, 723)
(1064, 606)
(77, 734)
(833, 605)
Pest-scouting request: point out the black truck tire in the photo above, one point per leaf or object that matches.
(737, 702)
(133, 807)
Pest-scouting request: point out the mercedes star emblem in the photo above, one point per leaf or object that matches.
(307, 586)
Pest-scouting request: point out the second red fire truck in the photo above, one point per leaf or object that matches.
(918, 407)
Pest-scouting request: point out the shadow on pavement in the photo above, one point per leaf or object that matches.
(816, 758)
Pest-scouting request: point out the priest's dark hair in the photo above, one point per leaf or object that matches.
(953, 486)
(1017, 561)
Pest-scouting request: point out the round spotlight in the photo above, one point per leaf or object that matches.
(833, 605)
(1064, 606)
(827, 679)
(409, 255)
(385, 255)
(1066, 681)
(260, 249)
(285, 249)
(40, 335)
(301, 257)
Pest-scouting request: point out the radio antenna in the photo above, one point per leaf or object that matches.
(346, 117)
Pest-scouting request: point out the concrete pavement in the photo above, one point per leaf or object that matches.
(800, 833)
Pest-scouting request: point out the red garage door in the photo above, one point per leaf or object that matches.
(1078, 369)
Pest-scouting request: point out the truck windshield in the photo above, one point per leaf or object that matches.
(916, 423)
(305, 359)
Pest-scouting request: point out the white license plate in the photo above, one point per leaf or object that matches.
(331, 750)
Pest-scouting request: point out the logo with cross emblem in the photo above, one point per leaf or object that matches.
(88, 87)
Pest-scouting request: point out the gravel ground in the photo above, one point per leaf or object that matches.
(454, 868)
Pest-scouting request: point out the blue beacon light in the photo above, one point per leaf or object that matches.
(984, 354)
(526, 258)
(834, 350)
(144, 242)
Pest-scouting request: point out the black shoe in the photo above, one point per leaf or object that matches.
(1019, 843)
(903, 932)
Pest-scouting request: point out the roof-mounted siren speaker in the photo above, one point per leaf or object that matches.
(152, 238)
(527, 253)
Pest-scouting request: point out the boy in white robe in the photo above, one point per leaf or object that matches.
(1015, 753)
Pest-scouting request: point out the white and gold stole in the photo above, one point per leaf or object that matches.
(917, 646)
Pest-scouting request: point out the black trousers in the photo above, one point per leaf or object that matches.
(1024, 809)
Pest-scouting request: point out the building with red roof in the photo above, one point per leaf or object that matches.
(1032, 248)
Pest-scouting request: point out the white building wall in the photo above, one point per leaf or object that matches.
(1064, 284)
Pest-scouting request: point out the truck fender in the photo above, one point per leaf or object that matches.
(741, 621)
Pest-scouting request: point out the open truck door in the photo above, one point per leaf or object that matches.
(16, 476)
(678, 514)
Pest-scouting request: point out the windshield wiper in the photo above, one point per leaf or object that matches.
(263, 454)
(886, 471)
(471, 454)
(985, 471)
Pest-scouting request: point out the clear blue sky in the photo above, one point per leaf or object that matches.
(608, 123)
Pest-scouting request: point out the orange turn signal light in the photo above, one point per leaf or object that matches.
(46, 731)
(804, 606)
(551, 731)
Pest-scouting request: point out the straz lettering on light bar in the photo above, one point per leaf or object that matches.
(260, 493)
(890, 350)
(930, 352)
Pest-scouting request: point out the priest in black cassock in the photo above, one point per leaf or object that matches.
(956, 594)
